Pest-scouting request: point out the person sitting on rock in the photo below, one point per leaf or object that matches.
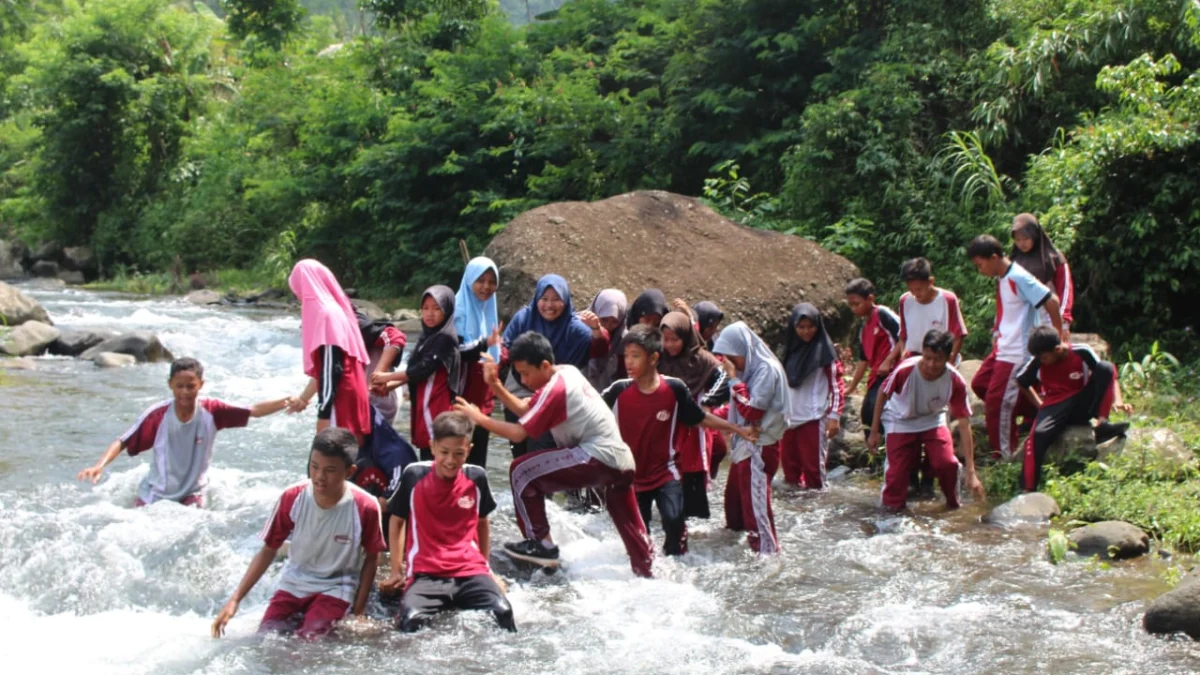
(879, 334)
(181, 432)
(913, 403)
(1076, 387)
(818, 398)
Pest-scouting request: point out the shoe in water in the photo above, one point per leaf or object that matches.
(1106, 431)
(531, 550)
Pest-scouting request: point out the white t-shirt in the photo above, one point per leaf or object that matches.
(917, 319)
(917, 404)
(1019, 296)
(571, 409)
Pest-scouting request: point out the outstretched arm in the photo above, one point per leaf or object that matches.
(711, 421)
(93, 473)
(258, 566)
(264, 408)
(513, 432)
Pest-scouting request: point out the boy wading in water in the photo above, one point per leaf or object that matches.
(182, 432)
(336, 537)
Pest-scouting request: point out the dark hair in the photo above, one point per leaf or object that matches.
(917, 269)
(335, 442)
(646, 337)
(186, 365)
(939, 341)
(532, 348)
(984, 246)
(1043, 339)
(861, 287)
(452, 424)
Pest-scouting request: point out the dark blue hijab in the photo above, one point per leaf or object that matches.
(570, 337)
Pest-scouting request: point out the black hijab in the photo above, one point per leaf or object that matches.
(1043, 260)
(802, 358)
(441, 341)
(651, 301)
(707, 314)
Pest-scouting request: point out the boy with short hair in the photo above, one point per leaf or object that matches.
(879, 335)
(923, 308)
(181, 431)
(591, 452)
(336, 536)
(439, 533)
(652, 412)
(1077, 387)
(1019, 296)
(913, 403)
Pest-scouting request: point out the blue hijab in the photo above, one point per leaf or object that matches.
(473, 318)
(570, 337)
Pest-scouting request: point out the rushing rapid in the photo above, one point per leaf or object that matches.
(86, 581)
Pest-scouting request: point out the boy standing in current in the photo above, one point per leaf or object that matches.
(439, 533)
(651, 412)
(879, 335)
(1019, 296)
(181, 432)
(336, 538)
(1077, 387)
(591, 453)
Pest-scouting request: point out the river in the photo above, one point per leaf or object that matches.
(86, 582)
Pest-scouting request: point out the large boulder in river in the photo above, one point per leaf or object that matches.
(80, 259)
(16, 308)
(113, 360)
(29, 339)
(656, 239)
(1025, 509)
(45, 268)
(1176, 611)
(203, 296)
(10, 262)
(1109, 539)
(76, 342)
(142, 345)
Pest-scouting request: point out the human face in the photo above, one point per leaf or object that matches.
(328, 475)
(185, 386)
(707, 333)
(449, 455)
(534, 377)
(432, 314)
(551, 305)
(932, 364)
(922, 290)
(639, 362)
(1023, 241)
(806, 330)
(610, 323)
(485, 286)
(859, 305)
(989, 267)
(739, 362)
(1051, 357)
(650, 320)
(672, 343)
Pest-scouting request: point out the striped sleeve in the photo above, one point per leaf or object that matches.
(960, 404)
(957, 325)
(547, 409)
(1064, 286)
(837, 389)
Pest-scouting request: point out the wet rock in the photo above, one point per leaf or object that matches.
(50, 250)
(72, 277)
(113, 360)
(849, 447)
(29, 339)
(373, 311)
(1157, 445)
(45, 268)
(142, 345)
(203, 297)
(10, 262)
(16, 308)
(1110, 539)
(1028, 508)
(20, 363)
(839, 473)
(622, 242)
(1077, 443)
(81, 259)
(1176, 611)
(76, 342)
(404, 314)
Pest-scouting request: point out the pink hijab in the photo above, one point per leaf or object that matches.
(326, 315)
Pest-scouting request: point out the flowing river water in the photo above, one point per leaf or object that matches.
(86, 582)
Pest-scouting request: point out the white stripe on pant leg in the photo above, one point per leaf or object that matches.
(759, 502)
(537, 466)
(823, 449)
(1008, 405)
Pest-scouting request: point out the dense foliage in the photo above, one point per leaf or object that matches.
(244, 133)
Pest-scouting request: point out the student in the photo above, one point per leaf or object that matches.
(336, 539)
(606, 315)
(439, 533)
(433, 369)
(1019, 296)
(761, 399)
(879, 335)
(335, 358)
(591, 452)
(1033, 250)
(818, 398)
(923, 308)
(913, 404)
(551, 315)
(182, 432)
(649, 308)
(385, 345)
(683, 357)
(478, 326)
(708, 317)
(1077, 388)
(652, 414)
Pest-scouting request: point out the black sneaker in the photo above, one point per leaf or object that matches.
(531, 550)
(1106, 431)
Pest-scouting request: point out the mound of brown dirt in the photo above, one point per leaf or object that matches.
(662, 240)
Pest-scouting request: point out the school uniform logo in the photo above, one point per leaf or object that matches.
(663, 416)
(342, 538)
(466, 502)
(1077, 376)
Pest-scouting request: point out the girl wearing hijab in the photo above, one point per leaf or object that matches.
(708, 318)
(551, 314)
(649, 308)
(432, 373)
(760, 398)
(385, 346)
(818, 397)
(1033, 250)
(605, 364)
(478, 328)
(334, 356)
(683, 357)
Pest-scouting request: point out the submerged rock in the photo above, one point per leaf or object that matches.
(1176, 611)
(203, 297)
(29, 339)
(76, 342)
(21, 363)
(113, 360)
(1110, 539)
(1029, 508)
(72, 277)
(142, 345)
(16, 308)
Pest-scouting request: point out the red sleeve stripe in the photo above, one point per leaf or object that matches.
(141, 420)
(555, 383)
